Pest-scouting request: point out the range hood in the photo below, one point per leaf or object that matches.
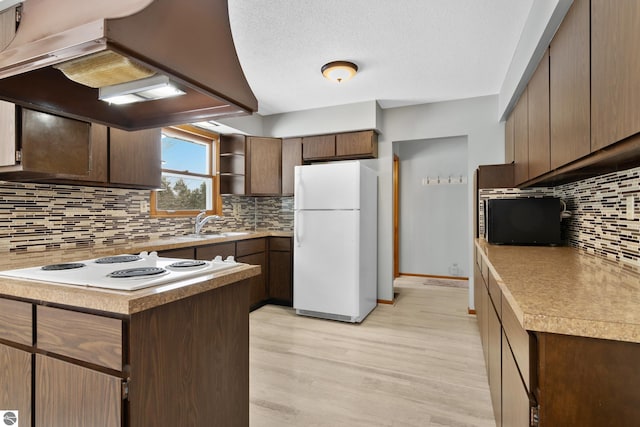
(65, 53)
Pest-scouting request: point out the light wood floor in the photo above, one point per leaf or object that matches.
(416, 363)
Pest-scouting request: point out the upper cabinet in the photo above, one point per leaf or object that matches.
(321, 147)
(615, 71)
(135, 158)
(250, 165)
(264, 166)
(521, 139)
(538, 100)
(509, 130)
(42, 147)
(342, 146)
(569, 87)
(291, 157)
(583, 97)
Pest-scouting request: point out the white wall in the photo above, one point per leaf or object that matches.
(341, 118)
(433, 210)
(475, 118)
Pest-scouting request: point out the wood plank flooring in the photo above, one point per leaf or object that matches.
(415, 363)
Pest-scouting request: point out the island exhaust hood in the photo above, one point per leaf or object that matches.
(65, 55)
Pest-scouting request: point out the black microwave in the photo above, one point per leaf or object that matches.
(523, 221)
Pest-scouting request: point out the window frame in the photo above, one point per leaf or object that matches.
(195, 134)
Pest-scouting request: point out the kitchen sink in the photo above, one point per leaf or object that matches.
(235, 233)
(204, 235)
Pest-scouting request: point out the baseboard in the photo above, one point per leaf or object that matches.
(471, 311)
(434, 277)
(385, 301)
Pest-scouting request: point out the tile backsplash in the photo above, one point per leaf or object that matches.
(37, 217)
(599, 222)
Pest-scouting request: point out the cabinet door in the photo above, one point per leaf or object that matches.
(264, 165)
(15, 386)
(54, 145)
(615, 79)
(539, 143)
(184, 253)
(7, 134)
(281, 270)
(291, 157)
(515, 399)
(318, 147)
(495, 363)
(135, 158)
(569, 82)
(509, 130)
(257, 284)
(521, 139)
(357, 144)
(68, 395)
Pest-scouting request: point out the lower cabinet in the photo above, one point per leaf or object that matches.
(495, 363)
(515, 400)
(70, 395)
(185, 363)
(254, 252)
(15, 392)
(280, 271)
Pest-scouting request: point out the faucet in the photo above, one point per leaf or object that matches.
(201, 220)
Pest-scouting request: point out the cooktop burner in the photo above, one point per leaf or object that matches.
(187, 264)
(64, 266)
(117, 259)
(137, 272)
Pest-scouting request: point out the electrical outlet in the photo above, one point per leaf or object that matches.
(144, 206)
(236, 209)
(631, 214)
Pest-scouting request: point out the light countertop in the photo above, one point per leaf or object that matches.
(566, 291)
(121, 302)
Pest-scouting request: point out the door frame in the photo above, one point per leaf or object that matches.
(396, 216)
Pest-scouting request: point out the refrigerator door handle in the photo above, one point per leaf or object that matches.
(298, 227)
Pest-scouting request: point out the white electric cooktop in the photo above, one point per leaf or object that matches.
(122, 272)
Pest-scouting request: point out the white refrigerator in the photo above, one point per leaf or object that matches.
(335, 241)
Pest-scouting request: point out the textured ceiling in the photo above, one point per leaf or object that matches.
(408, 51)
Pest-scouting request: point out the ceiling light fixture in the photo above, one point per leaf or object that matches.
(339, 71)
(148, 89)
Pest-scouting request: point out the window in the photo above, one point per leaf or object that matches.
(189, 183)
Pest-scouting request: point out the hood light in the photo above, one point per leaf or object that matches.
(149, 89)
(339, 71)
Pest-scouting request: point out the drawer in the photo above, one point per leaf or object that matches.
(209, 252)
(280, 244)
(182, 253)
(91, 338)
(496, 295)
(518, 339)
(16, 321)
(252, 246)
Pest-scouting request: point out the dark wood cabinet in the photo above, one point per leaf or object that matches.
(357, 144)
(569, 82)
(521, 139)
(15, 392)
(320, 147)
(291, 157)
(183, 253)
(254, 251)
(494, 338)
(250, 165)
(264, 166)
(539, 142)
(209, 252)
(615, 79)
(515, 400)
(135, 158)
(68, 395)
(281, 270)
(509, 139)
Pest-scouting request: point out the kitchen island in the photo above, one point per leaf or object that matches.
(174, 354)
(561, 335)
